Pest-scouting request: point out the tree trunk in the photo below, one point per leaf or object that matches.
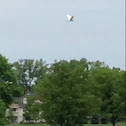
(113, 121)
(27, 90)
(113, 124)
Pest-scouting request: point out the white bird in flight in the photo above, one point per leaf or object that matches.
(70, 18)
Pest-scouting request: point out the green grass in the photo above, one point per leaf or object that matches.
(117, 124)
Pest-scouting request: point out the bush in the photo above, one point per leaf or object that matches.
(94, 120)
(104, 121)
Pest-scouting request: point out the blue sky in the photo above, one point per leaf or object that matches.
(38, 29)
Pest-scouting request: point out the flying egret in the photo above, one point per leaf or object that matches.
(70, 18)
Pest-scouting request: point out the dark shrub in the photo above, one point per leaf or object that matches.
(94, 120)
(104, 121)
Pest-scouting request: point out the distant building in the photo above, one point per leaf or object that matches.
(18, 110)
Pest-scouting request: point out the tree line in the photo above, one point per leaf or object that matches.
(69, 91)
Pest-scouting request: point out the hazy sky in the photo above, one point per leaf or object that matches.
(38, 29)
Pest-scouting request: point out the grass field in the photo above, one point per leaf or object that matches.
(117, 124)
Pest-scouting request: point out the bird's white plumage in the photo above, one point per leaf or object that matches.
(70, 18)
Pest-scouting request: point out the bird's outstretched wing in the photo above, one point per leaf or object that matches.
(71, 19)
(68, 16)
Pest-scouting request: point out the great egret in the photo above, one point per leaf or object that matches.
(70, 18)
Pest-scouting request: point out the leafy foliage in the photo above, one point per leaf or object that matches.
(6, 72)
(32, 109)
(69, 91)
(8, 87)
(65, 95)
(109, 84)
(28, 71)
(2, 113)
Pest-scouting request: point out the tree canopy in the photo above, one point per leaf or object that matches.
(8, 87)
(28, 71)
(65, 95)
(109, 84)
(8, 81)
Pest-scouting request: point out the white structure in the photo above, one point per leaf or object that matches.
(17, 113)
(24, 101)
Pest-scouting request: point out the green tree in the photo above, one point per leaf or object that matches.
(8, 86)
(9, 115)
(8, 81)
(32, 109)
(2, 113)
(109, 84)
(28, 71)
(65, 95)
(6, 72)
(97, 64)
(117, 105)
